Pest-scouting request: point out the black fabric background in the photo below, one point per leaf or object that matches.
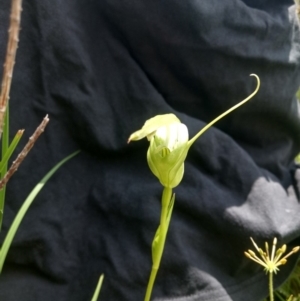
(100, 69)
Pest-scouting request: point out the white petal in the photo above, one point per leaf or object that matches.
(172, 135)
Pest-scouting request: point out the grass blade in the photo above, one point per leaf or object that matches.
(4, 147)
(9, 152)
(3, 168)
(21, 213)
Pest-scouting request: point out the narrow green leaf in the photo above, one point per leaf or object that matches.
(4, 142)
(5, 134)
(21, 213)
(98, 288)
(10, 151)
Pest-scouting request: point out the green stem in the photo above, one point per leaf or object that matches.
(166, 198)
(271, 292)
(150, 284)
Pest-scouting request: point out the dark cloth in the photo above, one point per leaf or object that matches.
(100, 69)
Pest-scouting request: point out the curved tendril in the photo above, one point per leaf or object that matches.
(190, 142)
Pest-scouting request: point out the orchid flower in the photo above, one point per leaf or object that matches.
(169, 143)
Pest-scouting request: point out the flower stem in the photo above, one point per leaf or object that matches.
(163, 229)
(271, 293)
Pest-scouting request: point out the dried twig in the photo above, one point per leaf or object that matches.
(14, 28)
(15, 165)
(297, 8)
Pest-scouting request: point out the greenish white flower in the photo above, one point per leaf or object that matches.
(167, 152)
(169, 143)
(168, 147)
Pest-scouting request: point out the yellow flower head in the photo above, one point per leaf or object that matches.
(272, 261)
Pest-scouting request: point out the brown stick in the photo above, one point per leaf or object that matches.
(297, 8)
(13, 39)
(15, 165)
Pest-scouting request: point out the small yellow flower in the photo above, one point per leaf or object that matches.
(272, 261)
